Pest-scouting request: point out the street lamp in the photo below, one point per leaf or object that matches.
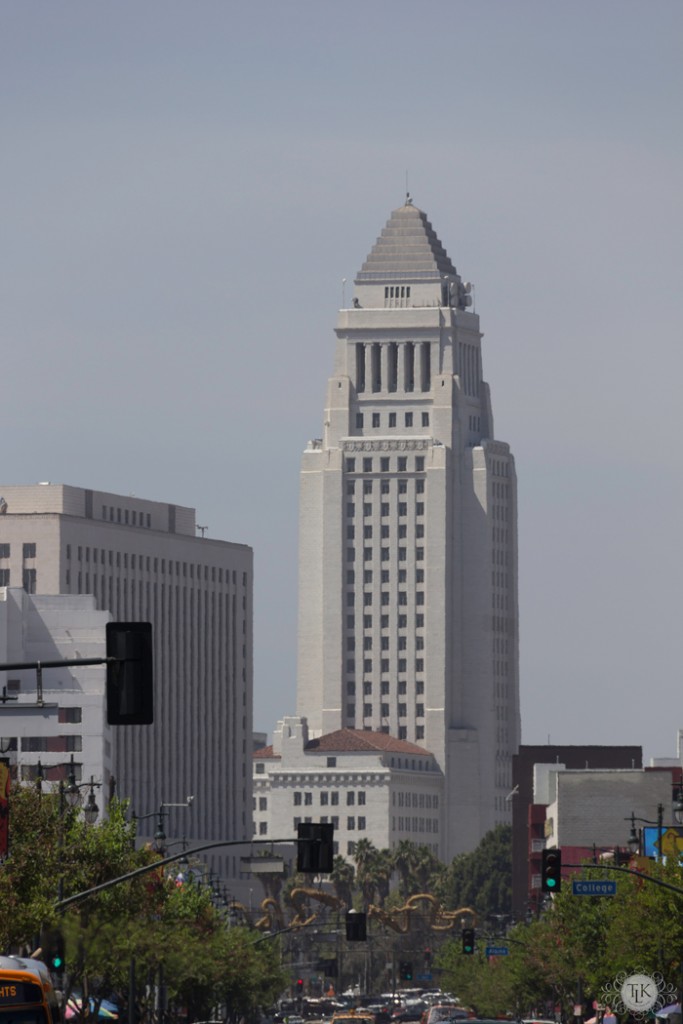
(635, 836)
(91, 810)
(159, 840)
(70, 794)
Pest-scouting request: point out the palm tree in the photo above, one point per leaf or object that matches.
(342, 876)
(405, 859)
(365, 856)
(384, 869)
(427, 868)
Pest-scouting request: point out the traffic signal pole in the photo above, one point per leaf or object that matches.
(77, 897)
(18, 666)
(630, 871)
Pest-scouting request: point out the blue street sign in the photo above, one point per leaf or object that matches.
(497, 951)
(423, 977)
(594, 887)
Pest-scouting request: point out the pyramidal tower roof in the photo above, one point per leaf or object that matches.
(408, 247)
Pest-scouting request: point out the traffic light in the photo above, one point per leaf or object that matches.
(468, 941)
(428, 959)
(314, 848)
(130, 673)
(406, 970)
(300, 985)
(551, 870)
(356, 926)
(52, 945)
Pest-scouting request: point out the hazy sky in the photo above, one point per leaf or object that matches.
(184, 187)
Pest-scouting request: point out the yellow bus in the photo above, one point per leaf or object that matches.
(27, 995)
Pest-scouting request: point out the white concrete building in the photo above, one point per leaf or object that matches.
(66, 718)
(593, 807)
(369, 785)
(142, 561)
(408, 617)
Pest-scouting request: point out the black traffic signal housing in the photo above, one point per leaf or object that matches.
(130, 673)
(551, 870)
(405, 970)
(468, 941)
(356, 926)
(314, 848)
(52, 945)
(300, 985)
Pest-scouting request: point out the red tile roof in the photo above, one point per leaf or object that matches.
(358, 740)
(265, 752)
(350, 741)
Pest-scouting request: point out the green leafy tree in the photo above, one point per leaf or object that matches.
(481, 879)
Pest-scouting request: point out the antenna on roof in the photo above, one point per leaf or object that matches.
(408, 199)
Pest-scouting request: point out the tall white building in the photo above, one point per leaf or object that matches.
(142, 561)
(408, 534)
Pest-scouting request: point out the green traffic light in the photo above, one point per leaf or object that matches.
(550, 882)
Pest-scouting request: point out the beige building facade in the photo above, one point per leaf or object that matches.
(368, 785)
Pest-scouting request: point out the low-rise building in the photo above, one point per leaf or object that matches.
(369, 785)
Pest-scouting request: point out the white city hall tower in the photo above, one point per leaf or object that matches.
(408, 608)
